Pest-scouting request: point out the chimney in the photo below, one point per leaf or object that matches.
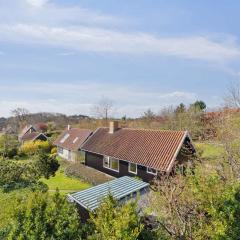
(113, 126)
(68, 127)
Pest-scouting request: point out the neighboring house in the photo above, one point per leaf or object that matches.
(135, 152)
(70, 142)
(29, 133)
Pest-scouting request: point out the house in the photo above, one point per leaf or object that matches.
(136, 152)
(30, 133)
(70, 142)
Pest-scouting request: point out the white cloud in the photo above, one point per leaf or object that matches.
(37, 3)
(75, 98)
(101, 40)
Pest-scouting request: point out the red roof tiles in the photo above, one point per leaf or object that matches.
(152, 148)
(75, 139)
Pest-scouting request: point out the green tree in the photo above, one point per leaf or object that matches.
(180, 108)
(199, 104)
(8, 146)
(47, 165)
(113, 221)
(43, 217)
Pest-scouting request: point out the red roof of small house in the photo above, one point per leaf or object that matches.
(151, 148)
(31, 136)
(73, 138)
(26, 129)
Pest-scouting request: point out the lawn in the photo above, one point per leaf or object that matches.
(65, 184)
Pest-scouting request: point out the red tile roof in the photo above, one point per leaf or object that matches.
(31, 136)
(76, 138)
(152, 148)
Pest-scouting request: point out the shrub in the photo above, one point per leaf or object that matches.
(86, 174)
(54, 150)
(115, 221)
(35, 147)
(45, 217)
(8, 146)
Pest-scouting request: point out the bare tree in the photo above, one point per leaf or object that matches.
(232, 98)
(21, 114)
(21, 117)
(103, 108)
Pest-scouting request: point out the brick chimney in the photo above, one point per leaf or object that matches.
(113, 126)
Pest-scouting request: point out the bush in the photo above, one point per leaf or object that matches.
(45, 217)
(35, 147)
(54, 150)
(86, 174)
(8, 146)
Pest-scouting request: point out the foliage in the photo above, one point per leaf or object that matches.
(12, 173)
(86, 174)
(15, 175)
(47, 165)
(197, 205)
(35, 147)
(199, 105)
(115, 222)
(8, 146)
(45, 218)
(54, 150)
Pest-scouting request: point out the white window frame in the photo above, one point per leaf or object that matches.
(110, 163)
(150, 172)
(129, 168)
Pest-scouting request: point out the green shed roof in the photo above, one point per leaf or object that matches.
(120, 188)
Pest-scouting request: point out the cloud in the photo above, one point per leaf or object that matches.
(109, 41)
(37, 3)
(65, 98)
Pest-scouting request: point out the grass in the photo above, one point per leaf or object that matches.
(64, 184)
(210, 150)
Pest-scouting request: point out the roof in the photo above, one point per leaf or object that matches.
(120, 188)
(152, 148)
(75, 139)
(31, 136)
(26, 129)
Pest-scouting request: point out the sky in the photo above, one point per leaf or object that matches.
(65, 55)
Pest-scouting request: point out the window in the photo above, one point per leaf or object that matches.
(106, 162)
(111, 163)
(132, 168)
(152, 171)
(75, 139)
(64, 138)
(60, 150)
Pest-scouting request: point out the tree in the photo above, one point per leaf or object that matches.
(232, 98)
(149, 114)
(180, 108)
(47, 165)
(116, 222)
(199, 105)
(47, 218)
(21, 114)
(8, 146)
(103, 108)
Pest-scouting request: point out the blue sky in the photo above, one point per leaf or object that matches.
(65, 55)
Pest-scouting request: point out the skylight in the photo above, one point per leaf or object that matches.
(64, 138)
(75, 139)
